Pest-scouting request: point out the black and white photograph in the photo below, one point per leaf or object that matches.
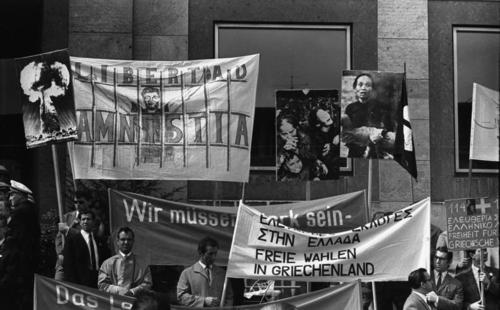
(249, 155)
(307, 125)
(371, 113)
(47, 98)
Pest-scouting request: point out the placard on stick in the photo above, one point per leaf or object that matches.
(472, 223)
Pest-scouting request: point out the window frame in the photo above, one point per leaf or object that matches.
(349, 169)
(456, 30)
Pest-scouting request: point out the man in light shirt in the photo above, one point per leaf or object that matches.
(447, 291)
(126, 273)
(421, 284)
(201, 284)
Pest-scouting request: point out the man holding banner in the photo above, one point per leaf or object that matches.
(474, 281)
(201, 284)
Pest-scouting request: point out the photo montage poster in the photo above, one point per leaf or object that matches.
(371, 113)
(307, 135)
(46, 95)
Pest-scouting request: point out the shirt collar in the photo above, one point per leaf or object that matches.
(2, 241)
(203, 265)
(443, 274)
(85, 234)
(123, 255)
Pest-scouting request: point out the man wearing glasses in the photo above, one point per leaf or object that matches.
(448, 293)
(70, 221)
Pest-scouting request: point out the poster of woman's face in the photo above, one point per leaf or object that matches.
(307, 135)
(371, 108)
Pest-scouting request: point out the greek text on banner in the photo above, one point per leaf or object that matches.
(161, 226)
(263, 248)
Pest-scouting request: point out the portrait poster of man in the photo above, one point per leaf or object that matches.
(371, 113)
(307, 135)
(48, 105)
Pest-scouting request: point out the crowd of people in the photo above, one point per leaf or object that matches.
(84, 257)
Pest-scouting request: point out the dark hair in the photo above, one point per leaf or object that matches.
(126, 230)
(145, 300)
(289, 119)
(149, 90)
(416, 278)
(360, 75)
(86, 211)
(207, 241)
(444, 249)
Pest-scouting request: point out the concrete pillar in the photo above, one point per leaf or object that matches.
(403, 38)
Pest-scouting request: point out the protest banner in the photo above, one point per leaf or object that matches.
(47, 99)
(307, 135)
(263, 248)
(484, 125)
(164, 120)
(471, 223)
(50, 294)
(167, 232)
(344, 296)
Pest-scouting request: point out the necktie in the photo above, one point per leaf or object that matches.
(92, 253)
(209, 276)
(439, 281)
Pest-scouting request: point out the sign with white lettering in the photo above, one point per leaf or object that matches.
(164, 120)
(472, 223)
(264, 248)
(57, 295)
(167, 232)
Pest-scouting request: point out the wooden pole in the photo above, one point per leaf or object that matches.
(369, 203)
(58, 182)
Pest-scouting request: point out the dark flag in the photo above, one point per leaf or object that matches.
(404, 137)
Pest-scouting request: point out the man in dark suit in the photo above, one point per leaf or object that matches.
(472, 279)
(447, 291)
(83, 253)
(421, 283)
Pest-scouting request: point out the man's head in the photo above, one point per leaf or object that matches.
(321, 119)
(82, 200)
(442, 259)
(477, 255)
(125, 240)
(293, 163)
(151, 97)
(287, 127)
(363, 86)
(18, 193)
(420, 281)
(86, 218)
(207, 249)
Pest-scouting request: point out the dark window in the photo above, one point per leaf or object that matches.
(291, 57)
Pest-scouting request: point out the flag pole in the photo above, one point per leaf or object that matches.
(369, 203)
(58, 182)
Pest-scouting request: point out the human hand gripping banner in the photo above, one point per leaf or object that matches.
(263, 248)
(50, 294)
(164, 120)
(167, 232)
